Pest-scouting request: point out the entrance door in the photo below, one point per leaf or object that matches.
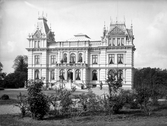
(70, 75)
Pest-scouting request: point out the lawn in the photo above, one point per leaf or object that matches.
(127, 119)
(13, 93)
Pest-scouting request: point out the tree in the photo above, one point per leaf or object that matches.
(153, 80)
(38, 102)
(114, 83)
(21, 63)
(2, 75)
(15, 80)
(1, 66)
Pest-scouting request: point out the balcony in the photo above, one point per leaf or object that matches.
(63, 65)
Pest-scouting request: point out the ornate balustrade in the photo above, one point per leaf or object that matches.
(71, 65)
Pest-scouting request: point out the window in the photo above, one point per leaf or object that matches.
(111, 58)
(72, 58)
(36, 44)
(120, 58)
(78, 75)
(113, 41)
(94, 59)
(118, 42)
(61, 74)
(80, 57)
(109, 42)
(94, 75)
(65, 58)
(36, 59)
(111, 74)
(52, 75)
(53, 59)
(36, 74)
(120, 74)
(115, 74)
(122, 41)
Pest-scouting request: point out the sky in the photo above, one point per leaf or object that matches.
(66, 18)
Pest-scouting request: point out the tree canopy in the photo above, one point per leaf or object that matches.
(153, 80)
(1, 66)
(18, 78)
(20, 63)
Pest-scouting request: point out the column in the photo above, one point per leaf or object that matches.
(68, 57)
(65, 74)
(77, 57)
(98, 75)
(73, 74)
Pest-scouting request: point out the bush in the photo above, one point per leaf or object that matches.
(5, 97)
(38, 103)
(22, 104)
(1, 88)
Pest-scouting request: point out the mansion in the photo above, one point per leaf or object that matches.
(80, 60)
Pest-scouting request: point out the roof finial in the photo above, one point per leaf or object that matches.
(116, 20)
(110, 21)
(42, 13)
(38, 14)
(124, 20)
(50, 26)
(104, 26)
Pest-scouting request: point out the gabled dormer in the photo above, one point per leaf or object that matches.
(118, 35)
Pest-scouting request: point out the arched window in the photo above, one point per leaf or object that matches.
(36, 74)
(94, 75)
(111, 74)
(120, 74)
(65, 58)
(80, 57)
(115, 74)
(78, 74)
(72, 58)
(61, 74)
(52, 75)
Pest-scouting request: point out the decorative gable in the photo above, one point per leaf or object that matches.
(117, 31)
(37, 34)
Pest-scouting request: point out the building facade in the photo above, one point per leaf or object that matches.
(81, 60)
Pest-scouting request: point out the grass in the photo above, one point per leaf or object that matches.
(132, 118)
(13, 93)
(125, 118)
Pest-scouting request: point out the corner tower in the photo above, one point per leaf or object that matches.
(120, 51)
(39, 41)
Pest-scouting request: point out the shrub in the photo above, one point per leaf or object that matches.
(5, 97)
(62, 99)
(38, 103)
(1, 88)
(22, 104)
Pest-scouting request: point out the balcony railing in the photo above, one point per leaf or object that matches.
(71, 65)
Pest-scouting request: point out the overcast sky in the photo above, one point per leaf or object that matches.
(18, 18)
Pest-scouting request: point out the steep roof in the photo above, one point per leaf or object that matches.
(120, 29)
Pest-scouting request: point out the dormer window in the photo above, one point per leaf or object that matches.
(118, 42)
(122, 41)
(113, 41)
